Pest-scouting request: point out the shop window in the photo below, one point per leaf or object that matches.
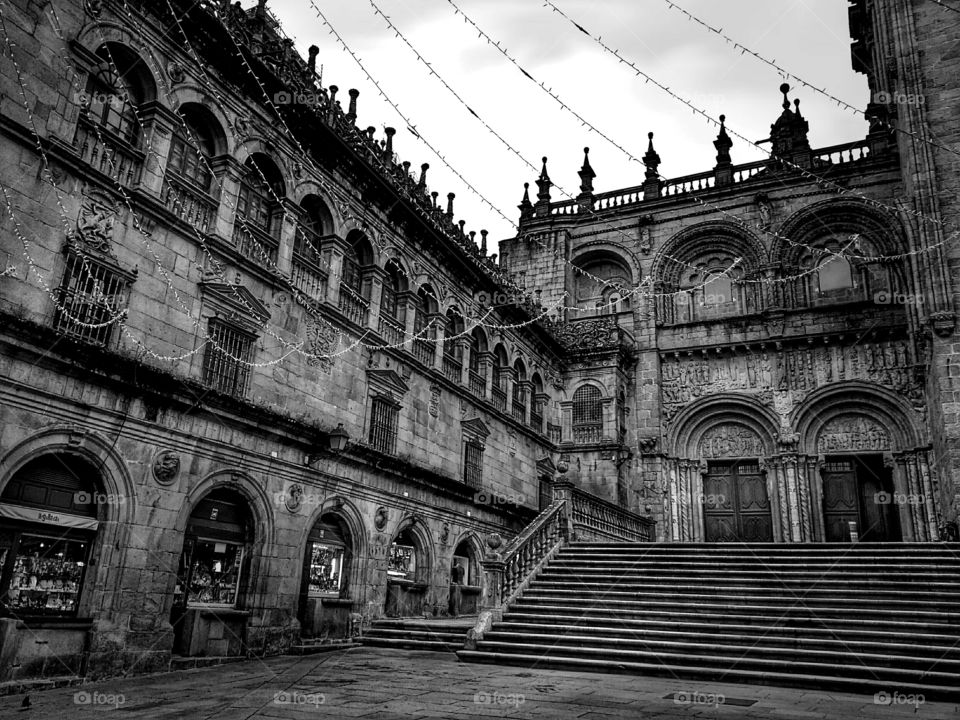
(384, 419)
(402, 562)
(212, 564)
(326, 558)
(226, 360)
(49, 512)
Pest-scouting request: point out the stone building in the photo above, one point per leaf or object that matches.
(257, 382)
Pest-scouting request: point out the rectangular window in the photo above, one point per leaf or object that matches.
(89, 301)
(226, 361)
(384, 416)
(473, 464)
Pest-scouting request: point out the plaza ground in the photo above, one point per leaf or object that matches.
(380, 683)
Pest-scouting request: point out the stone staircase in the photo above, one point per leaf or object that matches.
(857, 618)
(446, 635)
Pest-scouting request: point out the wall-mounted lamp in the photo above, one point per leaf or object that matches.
(337, 441)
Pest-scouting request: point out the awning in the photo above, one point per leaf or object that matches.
(54, 518)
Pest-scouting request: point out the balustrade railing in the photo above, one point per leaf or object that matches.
(593, 516)
(105, 152)
(478, 385)
(353, 306)
(424, 351)
(536, 421)
(531, 549)
(391, 329)
(587, 434)
(498, 397)
(452, 367)
(309, 277)
(518, 410)
(255, 243)
(189, 203)
(554, 433)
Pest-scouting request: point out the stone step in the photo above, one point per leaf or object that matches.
(836, 548)
(453, 637)
(850, 638)
(832, 678)
(934, 581)
(937, 592)
(573, 614)
(738, 646)
(409, 644)
(768, 565)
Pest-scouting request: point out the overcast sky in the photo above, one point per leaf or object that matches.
(810, 38)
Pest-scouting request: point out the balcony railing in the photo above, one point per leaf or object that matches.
(255, 243)
(536, 421)
(309, 277)
(424, 351)
(107, 153)
(452, 367)
(391, 329)
(554, 433)
(499, 398)
(478, 385)
(587, 434)
(189, 202)
(356, 308)
(518, 410)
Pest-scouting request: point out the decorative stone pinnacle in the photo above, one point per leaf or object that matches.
(423, 175)
(723, 143)
(483, 242)
(450, 197)
(586, 174)
(389, 132)
(544, 184)
(785, 88)
(651, 160)
(312, 61)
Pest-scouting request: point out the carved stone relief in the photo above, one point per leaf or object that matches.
(852, 433)
(730, 441)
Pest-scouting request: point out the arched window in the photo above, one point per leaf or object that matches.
(354, 294)
(587, 415)
(391, 310)
(423, 328)
(259, 213)
(452, 345)
(536, 407)
(43, 561)
(600, 285)
(309, 269)
(327, 562)
(834, 274)
(500, 366)
(189, 187)
(519, 402)
(115, 90)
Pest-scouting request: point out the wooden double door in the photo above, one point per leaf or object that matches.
(859, 489)
(736, 506)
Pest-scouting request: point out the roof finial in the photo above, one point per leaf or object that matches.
(422, 183)
(586, 173)
(525, 206)
(544, 184)
(483, 242)
(352, 111)
(450, 197)
(312, 61)
(785, 88)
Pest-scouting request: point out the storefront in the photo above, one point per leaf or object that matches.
(48, 528)
(406, 576)
(465, 558)
(324, 607)
(208, 615)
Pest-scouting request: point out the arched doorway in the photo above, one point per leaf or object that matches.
(465, 572)
(324, 608)
(207, 614)
(736, 506)
(408, 573)
(858, 499)
(50, 516)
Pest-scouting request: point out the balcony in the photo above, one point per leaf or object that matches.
(309, 277)
(536, 421)
(424, 350)
(356, 308)
(452, 367)
(189, 202)
(518, 409)
(587, 434)
(107, 153)
(499, 398)
(554, 433)
(391, 329)
(478, 385)
(255, 243)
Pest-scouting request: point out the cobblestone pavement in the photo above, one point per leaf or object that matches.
(379, 683)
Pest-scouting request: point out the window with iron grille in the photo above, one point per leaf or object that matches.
(384, 417)
(473, 464)
(587, 415)
(90, 298)
(227, 358)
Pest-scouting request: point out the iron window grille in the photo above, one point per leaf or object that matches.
(90, 299)
(226, 361)
(384, 418)
(473, 464)
(587, 415)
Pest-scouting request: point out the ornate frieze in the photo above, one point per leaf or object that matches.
(730, 441)
(852, 433)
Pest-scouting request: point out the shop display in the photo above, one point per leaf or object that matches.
(210, 572)
(46, 576)
(326, 567)
(402, 562)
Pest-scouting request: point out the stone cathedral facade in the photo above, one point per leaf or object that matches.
(258, 383)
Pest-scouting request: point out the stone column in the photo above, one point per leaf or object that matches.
(439, 322)
(338, 248)
(373, 278)
(904, 484)
(929, 484)
(486, 371)
(159, 124)
(288, 235)
(775, 477)
(465, 349)
(228, 172)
